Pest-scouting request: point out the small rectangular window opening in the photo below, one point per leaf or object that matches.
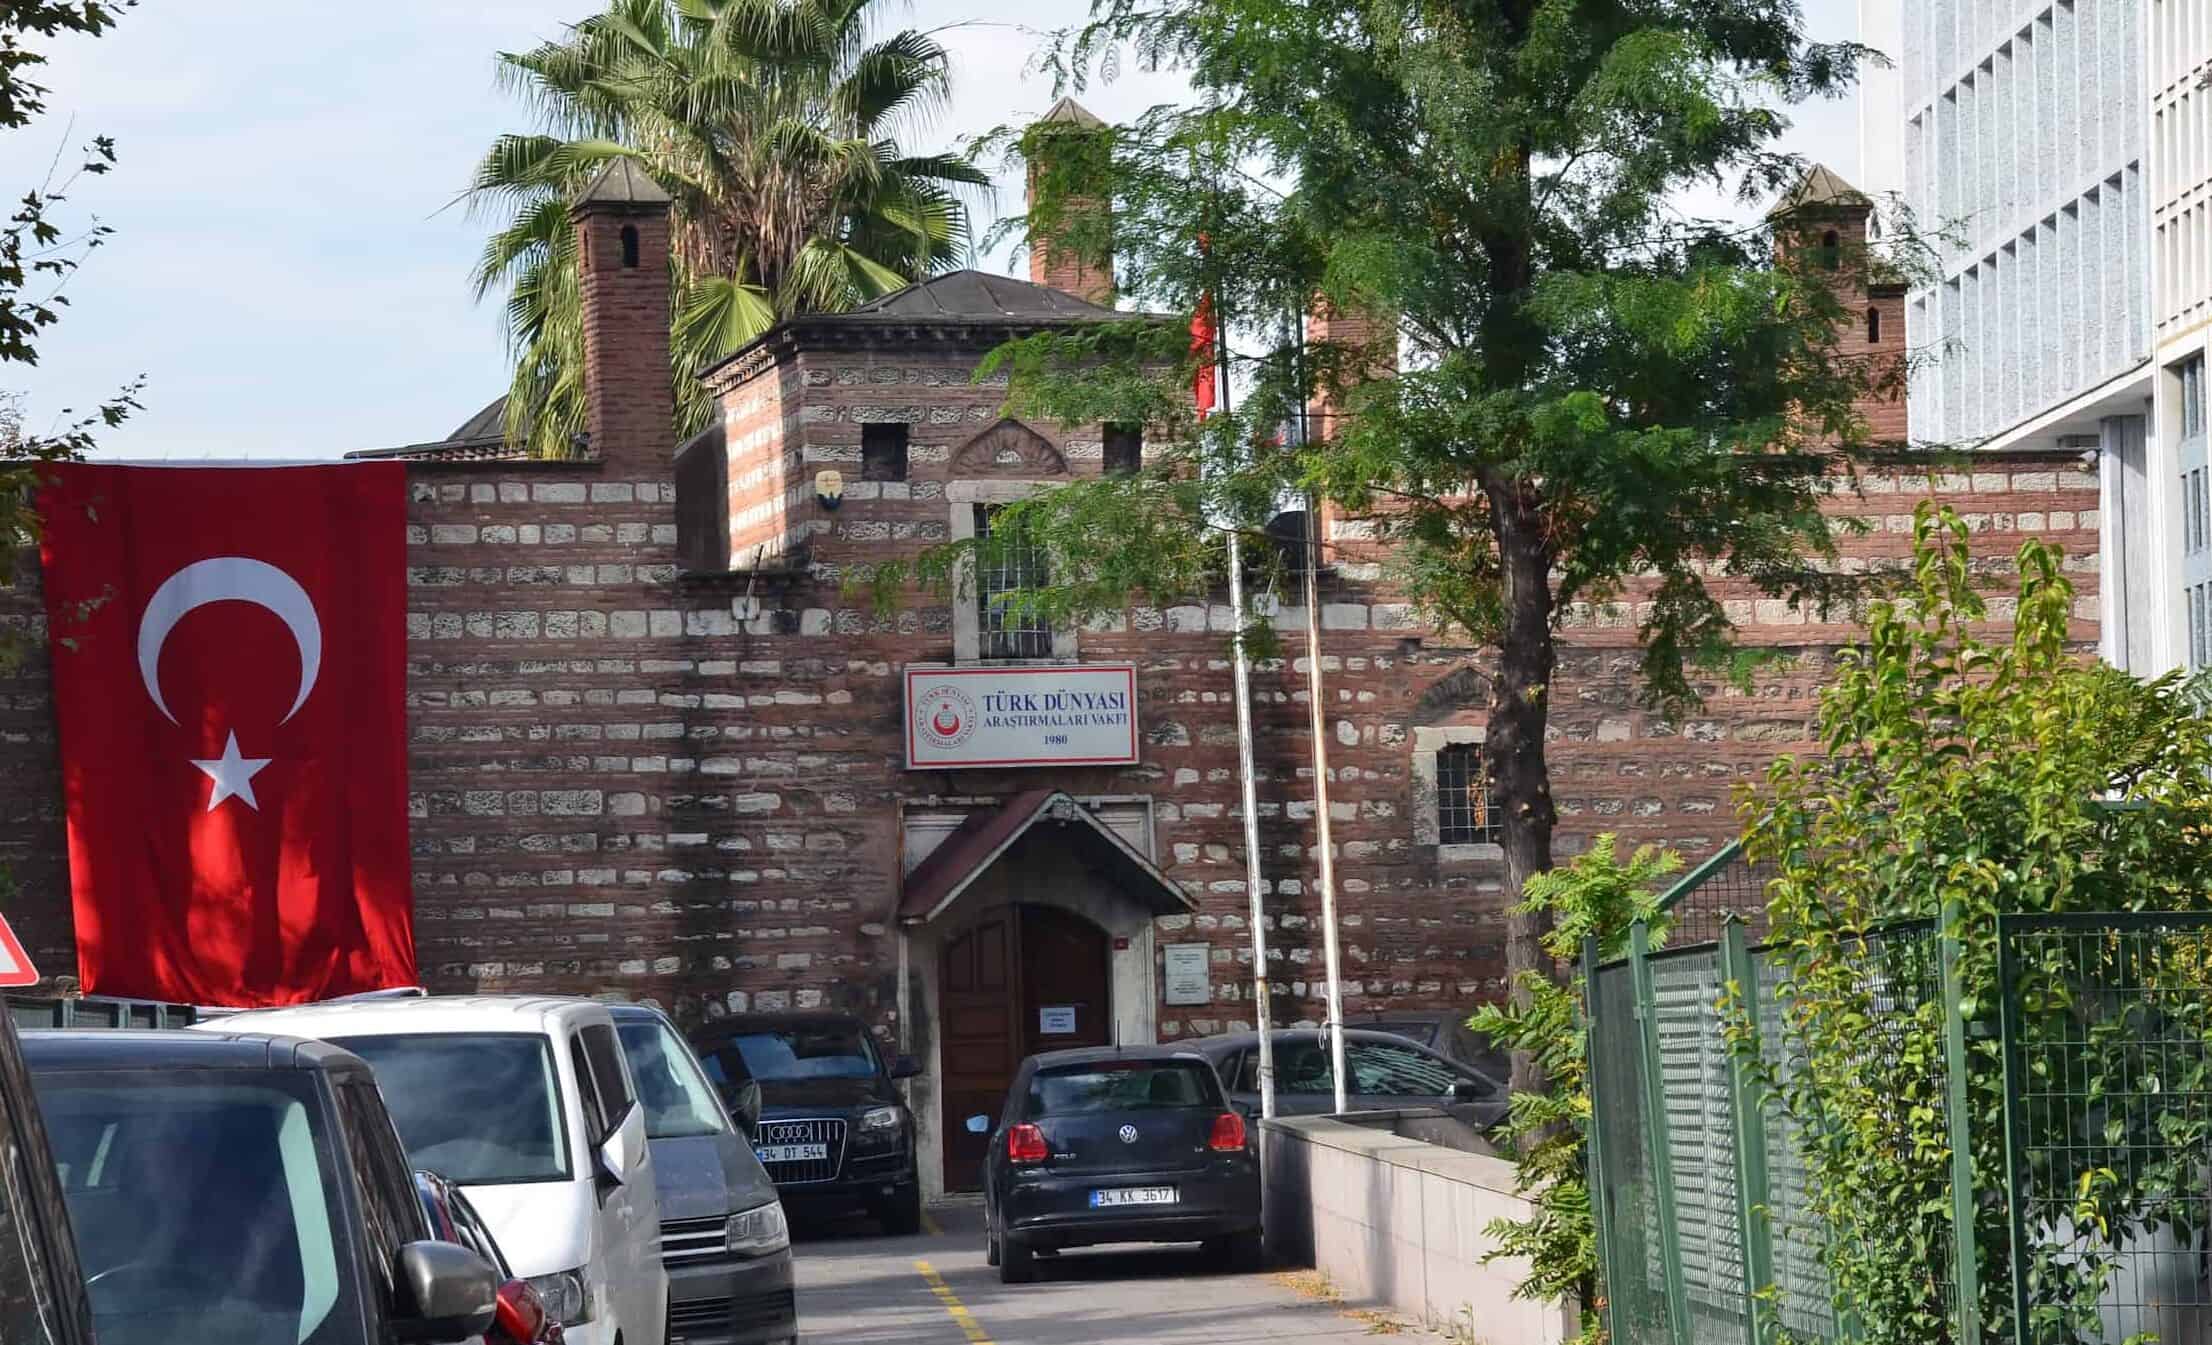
(1124, 450)
(1466, 798)
(1010, 630)
(883, 452)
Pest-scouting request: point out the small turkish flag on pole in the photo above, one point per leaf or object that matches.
(229, 654)
(1202, 340)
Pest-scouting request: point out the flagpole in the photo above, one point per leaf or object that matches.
(1332, 961)
(1262, 994)
(1263, 1018)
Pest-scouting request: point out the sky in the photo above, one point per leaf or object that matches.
(289, 267)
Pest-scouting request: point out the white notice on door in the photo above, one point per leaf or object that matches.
(1056, 1020)
(1189, 980)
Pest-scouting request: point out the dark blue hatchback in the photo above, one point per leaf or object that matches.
(1128, 1144)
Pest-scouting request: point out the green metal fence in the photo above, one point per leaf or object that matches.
(2071, 1125)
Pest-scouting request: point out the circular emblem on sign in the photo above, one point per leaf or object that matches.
(944, 717)
(1128, 1134)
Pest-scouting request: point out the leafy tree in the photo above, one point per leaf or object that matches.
(1963, 776)
(1594, 896)
(772, 125)
(37, 259)
(1601, 400)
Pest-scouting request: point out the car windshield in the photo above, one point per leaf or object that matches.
(812, 1051)
(203, 1206)
(476, 1108)
(1119, 1086)
(678, 1100)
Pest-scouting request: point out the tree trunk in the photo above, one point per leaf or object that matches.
(1515, 751)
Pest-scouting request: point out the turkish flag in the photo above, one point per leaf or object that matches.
(229, 655)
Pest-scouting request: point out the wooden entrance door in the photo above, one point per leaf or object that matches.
(1022, 979)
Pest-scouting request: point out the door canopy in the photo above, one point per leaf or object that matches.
(986, 835)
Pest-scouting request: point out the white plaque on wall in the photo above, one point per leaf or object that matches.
(1189, 973)
(1045, 715)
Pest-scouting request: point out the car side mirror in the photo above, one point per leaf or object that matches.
(979, 1125)
(744, 1103)
(622, 1152)
(442, 1293)
(905, 1067)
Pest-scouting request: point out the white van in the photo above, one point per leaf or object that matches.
(526, 1104)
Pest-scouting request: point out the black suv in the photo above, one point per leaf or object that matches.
(42, 1294)
(831, 1128)
(234, 1189)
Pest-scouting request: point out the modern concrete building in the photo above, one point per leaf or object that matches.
(2058, 148)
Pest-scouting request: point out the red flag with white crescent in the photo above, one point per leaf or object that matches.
(229, 658)
(1202, 345)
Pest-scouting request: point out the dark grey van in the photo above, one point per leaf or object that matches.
(723, 1235)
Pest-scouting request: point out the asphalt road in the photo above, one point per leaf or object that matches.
(856, 1288)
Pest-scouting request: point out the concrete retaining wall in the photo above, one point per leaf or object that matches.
(1397, 1222)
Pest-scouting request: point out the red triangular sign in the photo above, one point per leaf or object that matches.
(16, 970)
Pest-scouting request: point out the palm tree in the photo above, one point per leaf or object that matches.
(772, 125)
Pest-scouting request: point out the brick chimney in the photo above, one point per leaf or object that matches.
(1069, 140)
(622, 237)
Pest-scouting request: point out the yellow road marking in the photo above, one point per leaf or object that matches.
(929, 1225)
(954, 1308)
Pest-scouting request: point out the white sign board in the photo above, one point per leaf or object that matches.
(1043, 715)
(1056, 1020)
(1189, 976)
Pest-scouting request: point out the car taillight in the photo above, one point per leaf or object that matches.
(518, 1315)
(1026, 1144)
(1228, 1136)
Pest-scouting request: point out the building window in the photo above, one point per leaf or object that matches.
(1831, 250)
(1466, 798)
(1874, 326)
(1009, 630)
(883, 452)
(1124, 450)
(2196, 510)
(2191, 371)
(629, 248)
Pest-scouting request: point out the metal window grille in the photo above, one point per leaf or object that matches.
(1010, 630)
(1124, 450)
(1466, 798)
(883, 452)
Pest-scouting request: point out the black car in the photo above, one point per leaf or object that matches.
(236, 1189)
(1384, 1072)
(832, 1128)
(724, 1242)
(1445, 1032)
(42, 1290)
(1117, 1144)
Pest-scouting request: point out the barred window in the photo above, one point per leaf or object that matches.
(1009, 631)
(1466, 798)
(1124, 445)
(883, 452)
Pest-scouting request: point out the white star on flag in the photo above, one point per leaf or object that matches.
(233, 775)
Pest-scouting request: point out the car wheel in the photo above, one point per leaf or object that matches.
(901, 1215)
(990, 1239)
(1239, 1251)
(1016, 1263)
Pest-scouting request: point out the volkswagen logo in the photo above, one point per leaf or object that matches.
(1128, 1134)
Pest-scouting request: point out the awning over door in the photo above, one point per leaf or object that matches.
(978, 842)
